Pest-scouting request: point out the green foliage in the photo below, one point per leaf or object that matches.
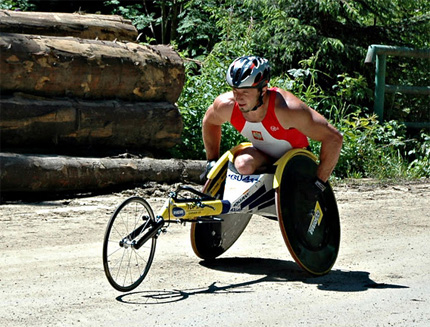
(23, 5)
(185, 23)
(135, 12)
(197, 32)
(420, 166)
(371, 150)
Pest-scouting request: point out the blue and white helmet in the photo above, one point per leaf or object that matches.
(248, 72)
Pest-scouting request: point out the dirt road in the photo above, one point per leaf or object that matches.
(51, 270)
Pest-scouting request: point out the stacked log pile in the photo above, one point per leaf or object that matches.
(88, 26)
(78, 91)
(74, 83)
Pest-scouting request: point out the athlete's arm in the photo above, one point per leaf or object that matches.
(296, 114)
(217, 114)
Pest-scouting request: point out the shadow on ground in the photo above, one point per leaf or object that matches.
(272, 270)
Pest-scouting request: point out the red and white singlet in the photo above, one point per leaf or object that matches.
(268, 135)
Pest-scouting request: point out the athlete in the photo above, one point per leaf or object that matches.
(272, 119)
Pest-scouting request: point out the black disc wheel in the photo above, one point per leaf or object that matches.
(310, 227)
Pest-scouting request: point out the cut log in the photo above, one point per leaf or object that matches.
(98, 125)
(56, 174)
(92, 69)
(86, 26)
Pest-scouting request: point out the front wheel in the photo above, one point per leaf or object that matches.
(126, 262)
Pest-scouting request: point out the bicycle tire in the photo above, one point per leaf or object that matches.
(314, 246)
(124, 266)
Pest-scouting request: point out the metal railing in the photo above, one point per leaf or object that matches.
(378, 53)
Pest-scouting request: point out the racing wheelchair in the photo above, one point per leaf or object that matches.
(220, 213)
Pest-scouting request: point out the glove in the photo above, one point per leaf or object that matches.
(313, 191)
(320, 185)
(209, 165)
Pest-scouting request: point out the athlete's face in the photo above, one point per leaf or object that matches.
(247, 99)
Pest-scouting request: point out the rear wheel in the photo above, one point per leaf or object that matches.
(311, 229)
(125, 266)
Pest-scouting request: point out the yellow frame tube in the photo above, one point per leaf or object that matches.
(190, 210)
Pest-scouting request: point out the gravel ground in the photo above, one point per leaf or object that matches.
(51, 271)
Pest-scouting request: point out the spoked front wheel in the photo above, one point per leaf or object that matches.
(129, 244)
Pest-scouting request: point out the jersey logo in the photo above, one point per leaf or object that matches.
(257, 135)
(274, 128)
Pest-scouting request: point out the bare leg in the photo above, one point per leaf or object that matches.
(250, 160)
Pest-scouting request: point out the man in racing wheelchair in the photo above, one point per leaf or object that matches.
(272, 119)
(278, 125)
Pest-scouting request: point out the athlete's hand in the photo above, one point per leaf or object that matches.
(315, 189)
(209, 166)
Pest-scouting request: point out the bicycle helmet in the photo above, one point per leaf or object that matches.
(248, 72)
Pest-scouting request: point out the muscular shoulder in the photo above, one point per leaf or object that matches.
(289, 108)
(224, 102)
(287, 100)
(220, 110)
(223, 106)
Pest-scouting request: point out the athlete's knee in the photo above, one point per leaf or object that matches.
(244, 164)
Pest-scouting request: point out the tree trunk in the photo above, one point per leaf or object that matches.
(87, 26)
(59, 124)
(37, 173)
(91, 69)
